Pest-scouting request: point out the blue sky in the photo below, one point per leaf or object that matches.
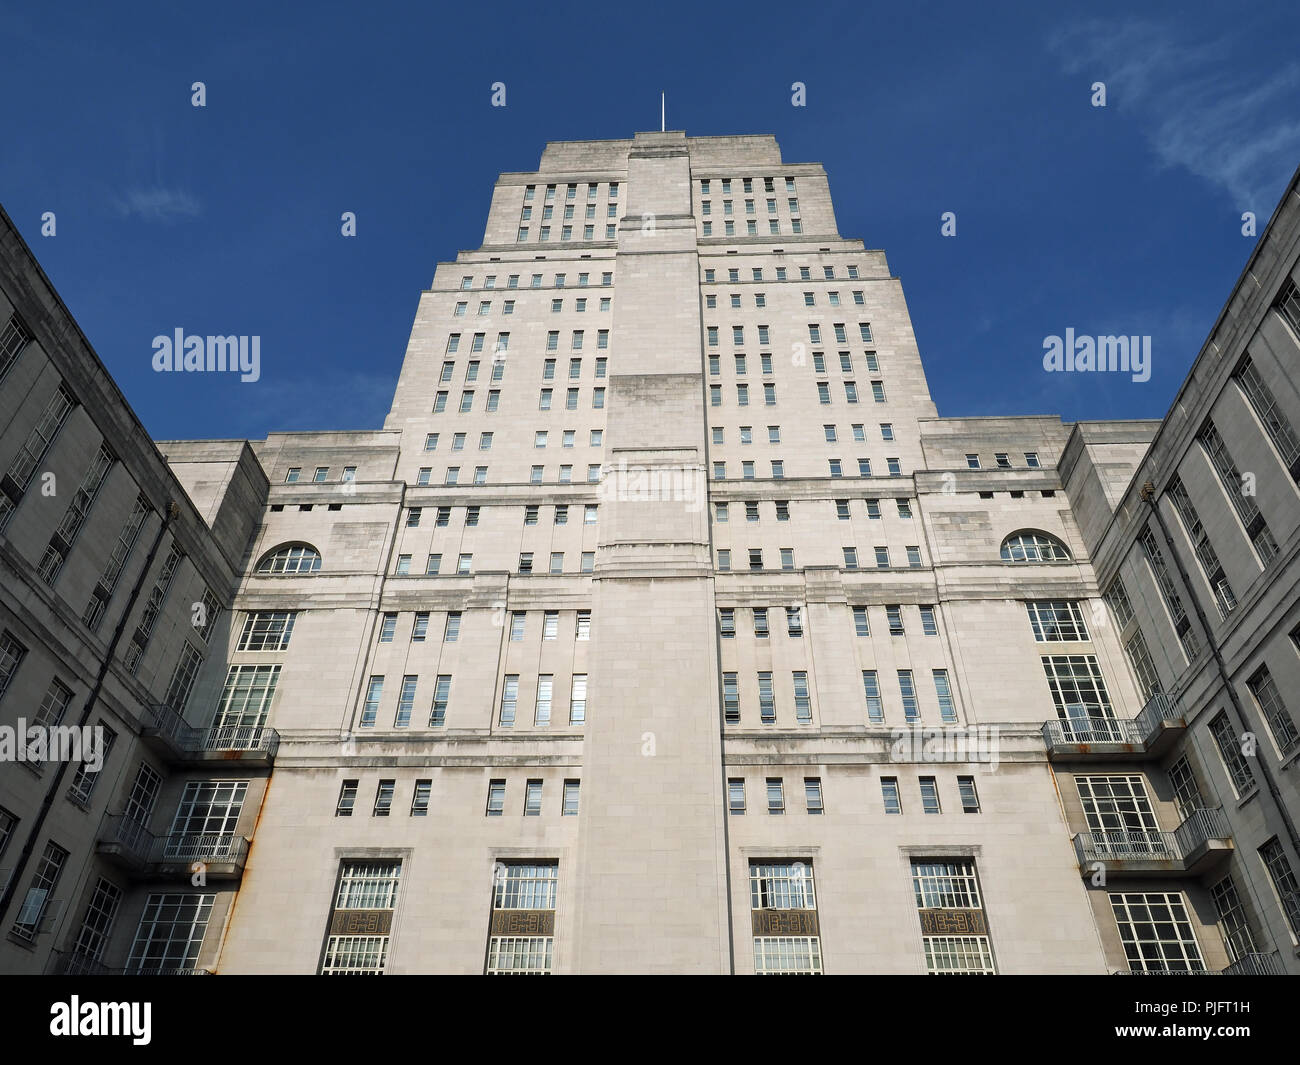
(225, 219)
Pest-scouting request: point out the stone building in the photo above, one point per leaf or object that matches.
(664, 627)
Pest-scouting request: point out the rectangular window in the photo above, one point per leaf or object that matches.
(1056, 620)
(970, 800)
(170, 934)
(1284, 882)
(812, 791)
(871, 687)
(948, 899)
(736, 795)
(1280, 722)
(766, 699)
(907, 691)
(36, 903)
(1156, 932)
(1234, 922)
(509, 700)
(1231, 480)
(943, 692)
(533, 799)
(532, 888)
(889, 795)
(578, 699)
(441, 700)
(1230, 750)
(271, 630)
(929, 795)
(730, 699)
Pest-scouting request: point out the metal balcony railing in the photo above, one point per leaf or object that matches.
(200, 847)
(1094, 729)
(190, 740)
(1200, 827)
(1149, 845)
(130, 837)
(1162, 708)
(1120, 844)
(74, 963)
(1256, 965)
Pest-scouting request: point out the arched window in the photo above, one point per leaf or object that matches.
(1029, 545)
(290, 558)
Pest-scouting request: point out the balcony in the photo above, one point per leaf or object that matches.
(1100, 739)
(180, 743)
(222, 854)
(1256, 965)
(1198, 845)
(125, 842)
(73, 963)
(1247, 965)
(131, 847)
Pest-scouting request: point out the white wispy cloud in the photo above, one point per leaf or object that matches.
(158, 204)
(1204, 106)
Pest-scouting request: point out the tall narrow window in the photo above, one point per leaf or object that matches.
(365, 899)
(953, 927)
(783, 917)
(521, 935)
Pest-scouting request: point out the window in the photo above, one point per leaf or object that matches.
(860, 626)
(894, 614)
(727, 623)
(784, 888)
(550, 625)
(1224, 598)
(36, 903)
(1181, 622)
(736, 795)
(533, 799)
(793, 622)
(542, 710)
(290, 559)
(522, 886)
(1156, 932)
(850, 557)
(509, 700)
(496, 803)
(890, 796)
(1265, 405)
(1056, 620)
(1230, 477)
(1280, 722)
(775, 795)
(384, 798)
(1078, 691)
(970, 801)
(943, 692)
(1033, 547)
(441, 700)
(170, 934)
(907, 691)
(928, 626)
(766, 699)
(97, 925)
(1230, 750)
(578, 699)
(929, 795)
(951, 885)
(1284, 882)
(420, 798)
(802, 703)
(569, 808)
(730, 699)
